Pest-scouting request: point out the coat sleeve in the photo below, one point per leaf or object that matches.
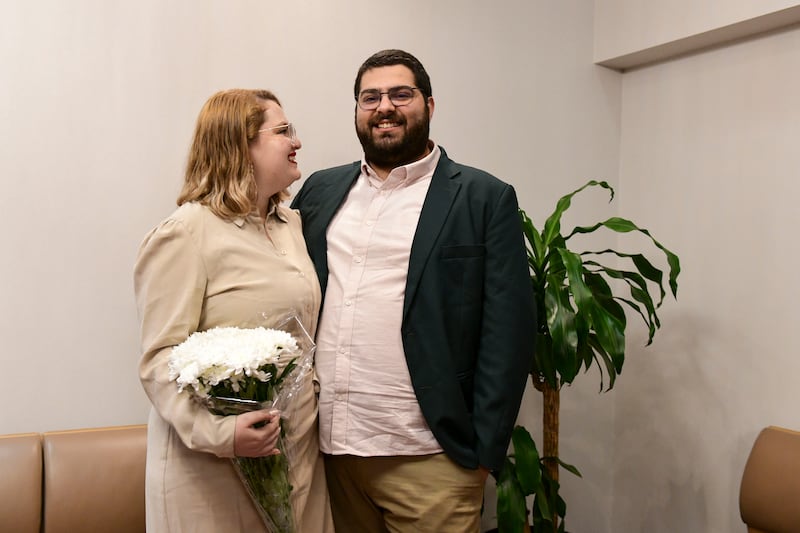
(507, 332)
(170, 281)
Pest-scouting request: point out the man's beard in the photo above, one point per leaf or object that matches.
(393, 153)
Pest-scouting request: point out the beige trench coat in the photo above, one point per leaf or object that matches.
(196, 271)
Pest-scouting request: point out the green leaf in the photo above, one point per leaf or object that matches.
(610, 334)
(603, 295)
(560, 323)
(526, 456)
(622, 225)
(609, 328)
(287, 369)
(639, 291)
(574, 267)
(569, 467)
(542, 364)
(644, 267)
(541, 504)
(585, 354)
(511, 507)
(601, 356)
(650, 272)
(536, 247)
(552, 225)
(652, 325)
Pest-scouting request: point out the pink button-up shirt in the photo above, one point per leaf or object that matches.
(367, 405)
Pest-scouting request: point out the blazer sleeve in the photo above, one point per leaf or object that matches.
(170, 282)
(507, 332)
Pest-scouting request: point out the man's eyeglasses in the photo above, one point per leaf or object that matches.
(288, 130)
(398, 96)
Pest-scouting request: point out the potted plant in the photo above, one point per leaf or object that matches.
(581, 322)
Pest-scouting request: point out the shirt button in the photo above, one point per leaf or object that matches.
(283, 252)
(357, 259)
(348, 303)
(301, 274)
(342, 350)
(369, 222)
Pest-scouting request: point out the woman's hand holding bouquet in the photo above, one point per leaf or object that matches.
(257, 433)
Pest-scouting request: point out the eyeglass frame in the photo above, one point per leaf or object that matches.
(290, 133)
(387, 93)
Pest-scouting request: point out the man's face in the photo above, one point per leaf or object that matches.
(393, 136)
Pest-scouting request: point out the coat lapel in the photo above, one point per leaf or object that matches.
(435, 210)
(336, 194)
(329, 205)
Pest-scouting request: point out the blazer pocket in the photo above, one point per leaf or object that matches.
(463, 250)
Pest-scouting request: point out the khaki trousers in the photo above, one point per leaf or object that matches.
(402, 494)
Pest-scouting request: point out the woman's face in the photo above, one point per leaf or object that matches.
(273, 154)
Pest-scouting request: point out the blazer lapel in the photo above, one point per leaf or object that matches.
(335, 196)
(329, 205)
(435, 209)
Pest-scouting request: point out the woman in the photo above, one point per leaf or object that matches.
(229, 253)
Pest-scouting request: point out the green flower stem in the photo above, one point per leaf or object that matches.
(267, 481)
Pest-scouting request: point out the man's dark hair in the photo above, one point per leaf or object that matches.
(387, 58)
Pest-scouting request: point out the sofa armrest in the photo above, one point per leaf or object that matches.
(21, 487)
(94, 480)
(769, 496)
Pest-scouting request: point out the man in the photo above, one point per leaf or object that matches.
(427, 326)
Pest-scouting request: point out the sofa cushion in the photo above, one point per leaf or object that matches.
(94, 480)
(21, 489)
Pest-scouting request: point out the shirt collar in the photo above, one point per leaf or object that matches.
(275, 212)
(407, 174)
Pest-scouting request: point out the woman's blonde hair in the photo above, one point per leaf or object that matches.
(219, 172)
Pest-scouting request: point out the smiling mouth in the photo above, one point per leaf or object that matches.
(293, 158)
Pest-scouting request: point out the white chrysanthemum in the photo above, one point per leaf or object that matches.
(210, 357)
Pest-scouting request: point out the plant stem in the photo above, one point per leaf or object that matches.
(551, 404)
(550, 429)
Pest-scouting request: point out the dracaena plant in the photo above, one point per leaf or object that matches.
(581, 322)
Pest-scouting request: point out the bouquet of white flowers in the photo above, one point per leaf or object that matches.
(233, 370)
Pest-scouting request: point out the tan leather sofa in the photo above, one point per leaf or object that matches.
(86, 480)
(769, 496)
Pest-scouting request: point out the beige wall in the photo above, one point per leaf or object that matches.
(709, 156)
(97, 104)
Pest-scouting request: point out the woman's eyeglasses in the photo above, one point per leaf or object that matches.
(288, 131)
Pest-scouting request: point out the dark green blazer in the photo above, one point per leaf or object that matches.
(468, 318)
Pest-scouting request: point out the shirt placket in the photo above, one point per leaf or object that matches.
(361, 241)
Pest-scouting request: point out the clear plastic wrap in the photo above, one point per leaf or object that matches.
(235, 370)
